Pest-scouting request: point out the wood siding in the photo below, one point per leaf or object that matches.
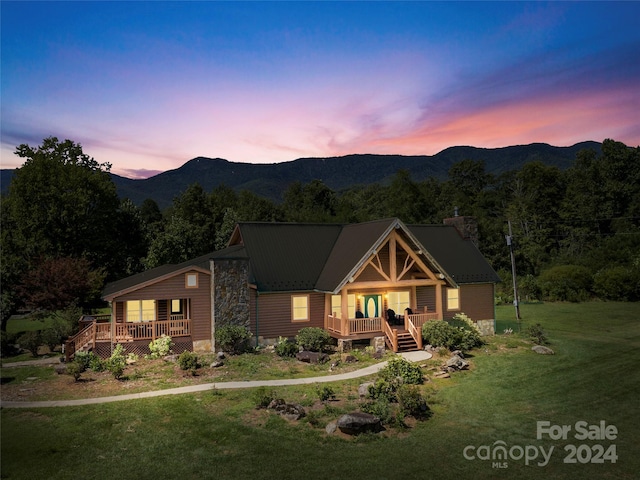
(425, 296)
(174, 288)
(274, 312)
(476, 301)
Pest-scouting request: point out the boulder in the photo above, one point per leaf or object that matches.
(542, 350)
(217, 364)
(456, 363)
(358, 422)
(60, 369)
(363, 389)
(290, 411)
(331, 428)
(171, 358)
(220, 356)
(312, 357)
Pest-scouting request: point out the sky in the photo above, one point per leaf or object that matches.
(147, 86)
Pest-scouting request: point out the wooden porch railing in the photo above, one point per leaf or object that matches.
(353, 326)
(391, 335)
(414, 330)
(125, 332)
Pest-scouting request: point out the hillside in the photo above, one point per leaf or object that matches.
(338, 173)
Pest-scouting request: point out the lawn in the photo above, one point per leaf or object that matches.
(593, 377)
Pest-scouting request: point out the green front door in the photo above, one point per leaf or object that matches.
(372, 305)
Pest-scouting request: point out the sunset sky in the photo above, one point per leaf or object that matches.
(146, 86)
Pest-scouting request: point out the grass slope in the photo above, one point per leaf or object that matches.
(592, 377)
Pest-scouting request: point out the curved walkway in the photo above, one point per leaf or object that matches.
(363, 372)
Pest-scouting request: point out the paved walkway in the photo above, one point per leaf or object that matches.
(363, 372)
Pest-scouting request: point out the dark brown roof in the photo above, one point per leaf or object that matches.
(306, 257)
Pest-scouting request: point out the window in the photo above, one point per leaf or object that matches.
(398, 301)
(453, 299)
(191, 280)
(300, 308)
(336, 305)
(141, 310)
(176, 306)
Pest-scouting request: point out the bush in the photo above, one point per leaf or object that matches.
(325, 393)
(188, 361)
(570, 283)
(7, 346)
(536, 333)
(384, 390)
(411, 402)
(160, 347)
(313, 338)
(380, 408)
(31, 341)
(116, 362)
(233, 339)
(75, 369)
(617, 283)
(262, 397)
(286, 348)
(464, 337)
(398, 367)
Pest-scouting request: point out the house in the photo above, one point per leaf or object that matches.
(376, 280)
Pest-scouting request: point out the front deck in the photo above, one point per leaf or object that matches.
(366, 328)
(138, 334)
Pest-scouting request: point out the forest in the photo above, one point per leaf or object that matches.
(65, 232)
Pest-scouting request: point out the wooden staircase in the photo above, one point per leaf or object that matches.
(406, 342)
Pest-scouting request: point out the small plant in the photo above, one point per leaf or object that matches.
(508, 331)
(132, 358)
(325, 393)
(411, 402)
(379, 408)
(161, 346)
(116, 362)
(188, 361)
(286, 348)
(75, 369)
(262, 397)
(537, 334)
(233, 339)
(313, 338)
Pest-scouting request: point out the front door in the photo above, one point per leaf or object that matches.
(372, 305)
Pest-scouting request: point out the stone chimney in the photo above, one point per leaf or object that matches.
(467, 226)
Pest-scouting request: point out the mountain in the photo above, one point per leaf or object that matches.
(338, 173)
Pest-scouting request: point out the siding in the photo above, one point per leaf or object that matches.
(476, 301)
(274, 311)
(426, 296)
(174, 288)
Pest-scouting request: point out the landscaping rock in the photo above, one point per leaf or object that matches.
(350, 359)
(542, 350)
(363, 389)
(290, 411)
(171, 358)
(442, 375)
(456, 363)
(221, 356)
(458, 353)
(331, 428)
(217, 364)
(60, 369)
(358, 422)
(312, 357)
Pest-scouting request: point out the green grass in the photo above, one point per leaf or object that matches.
(592, 377)
(18, 325)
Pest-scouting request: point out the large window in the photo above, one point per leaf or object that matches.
(453, 299)
(141, 310)
(398, 301)
(336, 305)
(300, 308)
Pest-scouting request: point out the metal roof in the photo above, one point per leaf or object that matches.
(309, 256)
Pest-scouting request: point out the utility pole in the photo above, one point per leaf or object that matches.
(516, 303)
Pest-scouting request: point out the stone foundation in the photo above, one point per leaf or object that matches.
(202, 346)
(378, 344)
(344, 345)
(486, 327)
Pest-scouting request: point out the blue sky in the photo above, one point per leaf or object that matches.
(146, 86)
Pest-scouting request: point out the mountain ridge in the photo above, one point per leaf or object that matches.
(338, 173)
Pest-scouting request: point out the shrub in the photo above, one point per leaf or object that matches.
(439, 333)
(161, 346)
(411, 402)
(536, 333)
(570, 283)
(83, 359)
(398, 367)
(188, 361)
(116, 362)
(313, 338)
(617, 283)
(31, 341)
(325, 393)
(286, 348)
(380, 408)
(96, 364)
(384, 389)
(75, 369)
(233, 339)
(262, 397)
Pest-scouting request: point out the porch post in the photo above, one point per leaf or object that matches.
(439, 301)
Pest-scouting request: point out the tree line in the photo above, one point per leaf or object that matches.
(65, 232)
